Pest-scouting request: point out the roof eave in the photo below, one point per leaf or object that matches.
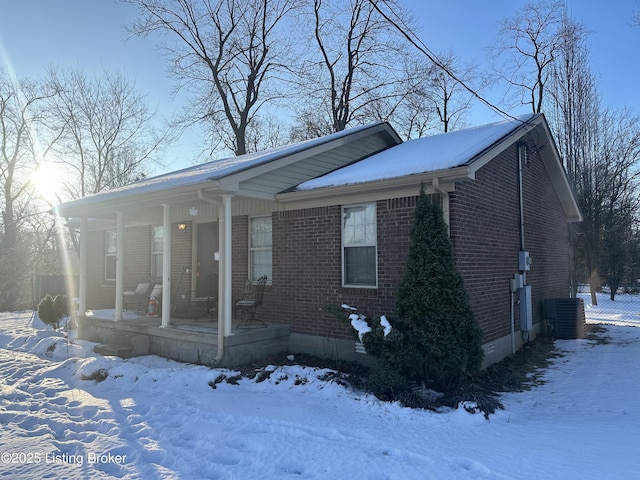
(100, 208)
(446, 178)
(550, 156)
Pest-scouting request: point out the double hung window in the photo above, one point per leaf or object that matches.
(260, 246)
(359, 246)
(157, 240)
(110, 251)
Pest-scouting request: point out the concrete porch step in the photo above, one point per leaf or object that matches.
(113, 350)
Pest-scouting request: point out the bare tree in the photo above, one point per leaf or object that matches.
(357, 66)
(621, 156)
(311, 123)
(226, 51)
(107, 134)
(21, 111)
(450, 99)
(601, 154)
(400, 22)
(412, 109)
(573, 101)
(572, 106)
(427, 101)
(266, 132)
(635, 15)
(527, 48)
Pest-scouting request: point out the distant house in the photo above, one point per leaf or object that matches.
(329, 222)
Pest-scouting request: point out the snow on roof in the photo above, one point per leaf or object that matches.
(428, 154)
(213, 170)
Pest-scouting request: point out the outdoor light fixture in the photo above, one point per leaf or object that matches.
(182, 226)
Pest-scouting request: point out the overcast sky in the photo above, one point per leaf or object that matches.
(89, 34)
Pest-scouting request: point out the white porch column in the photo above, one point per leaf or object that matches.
(166, 265)
(221, 276)
(227, 225)
(119, 264)
(82, 281)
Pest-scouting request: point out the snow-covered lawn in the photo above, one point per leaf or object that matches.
(154, 418)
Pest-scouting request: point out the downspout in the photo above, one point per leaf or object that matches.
(435, 183)
(82, 287)
(514, 285)
(221, 329)
(226, 201)
(119, 264)
(525, 291)
(521, 148)
(166, 266)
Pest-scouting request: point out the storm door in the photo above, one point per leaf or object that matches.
(206, 271)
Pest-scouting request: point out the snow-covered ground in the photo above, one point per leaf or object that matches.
(154, 418)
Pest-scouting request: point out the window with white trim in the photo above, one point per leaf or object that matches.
(260, 247)
(157, 242)
(110, 251)
(359, 246)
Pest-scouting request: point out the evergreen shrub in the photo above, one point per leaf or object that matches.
(434, 341)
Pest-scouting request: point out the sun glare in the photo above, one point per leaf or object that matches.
(47, 182)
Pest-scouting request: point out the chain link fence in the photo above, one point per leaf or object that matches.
(624, 309)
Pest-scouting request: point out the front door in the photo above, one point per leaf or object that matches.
(206, 264)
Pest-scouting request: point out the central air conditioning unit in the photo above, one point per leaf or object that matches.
(565, 317)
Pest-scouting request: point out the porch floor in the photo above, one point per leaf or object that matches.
(192, 340)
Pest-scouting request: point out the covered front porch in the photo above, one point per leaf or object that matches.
(200, 232)
(193, 340)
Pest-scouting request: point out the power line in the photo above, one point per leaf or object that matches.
(402, 27)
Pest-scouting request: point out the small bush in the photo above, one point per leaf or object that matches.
(219, 379)
(48, 312)
(52, 310)
(62, 305)
(385, 381)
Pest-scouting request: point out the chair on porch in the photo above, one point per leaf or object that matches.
(250, 301)
(139, 295)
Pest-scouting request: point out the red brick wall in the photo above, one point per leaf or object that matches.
(240, 254)
(485, 236)
(546, 236)
(307, 271)
(137, 264)
(486, 239)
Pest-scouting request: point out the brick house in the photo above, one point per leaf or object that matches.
(329, 222)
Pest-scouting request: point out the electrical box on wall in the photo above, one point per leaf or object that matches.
(517, 282)
(526, 312)
(524, 261)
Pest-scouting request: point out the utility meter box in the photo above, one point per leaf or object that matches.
(524, 261)
(517, 282)
(526, 312)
